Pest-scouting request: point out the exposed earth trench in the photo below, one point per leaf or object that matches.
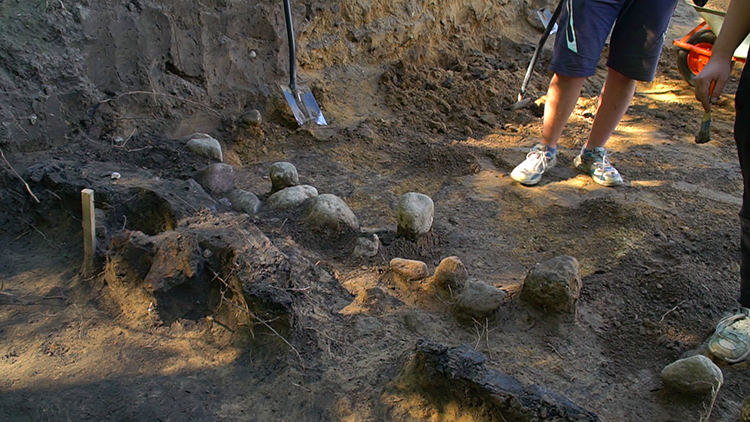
(198, 312)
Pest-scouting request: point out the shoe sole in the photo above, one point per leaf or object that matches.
(606, 183)
(719, 354)
(523, 181)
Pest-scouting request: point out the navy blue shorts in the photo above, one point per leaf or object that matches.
(635, 45)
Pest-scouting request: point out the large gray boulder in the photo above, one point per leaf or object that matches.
(205, 145)
(554, 285)
(479, 299)
(415, 215)
(217, 179)
(290, 198)
(330, 215)
(696, 376)
(244, 201)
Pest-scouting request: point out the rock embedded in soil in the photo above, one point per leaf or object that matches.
(415, 215)
(745, 414)
(283, 175)
(409, 269)
(289, 198)
(696, 376)
(479, 299)
(217, 179)
(330, 215)
(366, 247)
(244, 201)
(252, 118)
(175, 261)
(554, 285)
(450, 277)
(205, 145)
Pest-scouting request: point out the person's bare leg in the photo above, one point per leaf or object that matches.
(562, 97)
(617, 93)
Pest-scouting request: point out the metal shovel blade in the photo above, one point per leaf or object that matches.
(303, 105)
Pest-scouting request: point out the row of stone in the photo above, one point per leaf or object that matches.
(554, 285)
(326, 213)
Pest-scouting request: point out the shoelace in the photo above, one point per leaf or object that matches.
(540, 159)
(737, 314)
(604, 165)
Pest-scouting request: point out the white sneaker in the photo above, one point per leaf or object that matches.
(537, 161)
(731, 340)
(596, 163)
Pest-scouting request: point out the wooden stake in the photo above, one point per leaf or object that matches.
(89, 231)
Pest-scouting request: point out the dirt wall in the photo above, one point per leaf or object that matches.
(81, 68)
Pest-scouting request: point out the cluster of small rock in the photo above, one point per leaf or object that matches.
(325, 214)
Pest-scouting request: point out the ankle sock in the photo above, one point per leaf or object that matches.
(552, 150)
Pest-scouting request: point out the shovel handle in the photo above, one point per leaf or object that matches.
(292, 46)
(542, 40)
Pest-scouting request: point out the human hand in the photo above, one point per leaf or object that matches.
(717, 71)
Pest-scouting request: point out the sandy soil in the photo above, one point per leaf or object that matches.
(659, 256)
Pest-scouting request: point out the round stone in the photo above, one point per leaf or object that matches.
(292, 197)
(415, 215)
(554, 285)
(696, 375)
(409, 269)
(450, 277)
(244, 201)
(251, 118)
(217, 179)
(330, 215)
(283, 175)
(205, 145)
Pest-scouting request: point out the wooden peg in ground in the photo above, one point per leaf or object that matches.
(89, 231)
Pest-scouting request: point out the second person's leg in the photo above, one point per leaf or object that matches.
(617, 93)
(562, 97)
(584, 27)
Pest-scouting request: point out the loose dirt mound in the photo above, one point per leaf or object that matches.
(202, 314)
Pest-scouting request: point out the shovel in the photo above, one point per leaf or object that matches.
(299, 97)
(535, 56)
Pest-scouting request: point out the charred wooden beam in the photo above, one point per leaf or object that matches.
(461, 369)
